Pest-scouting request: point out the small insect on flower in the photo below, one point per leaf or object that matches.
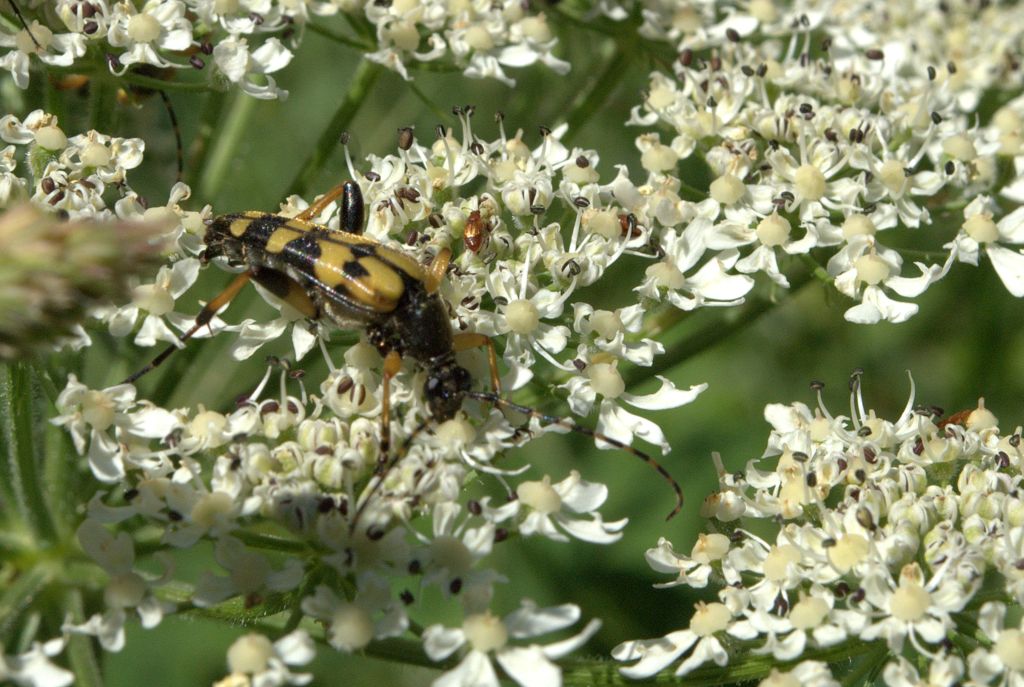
(477, 231)
(358, 283)
(628, 226)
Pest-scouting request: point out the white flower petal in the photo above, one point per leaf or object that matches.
(475, 670)
(668, 396)
(440, 642)
(529, 666)
(529, 621)
(556, 650)
(594, 531)
(621, 425)
(296, 648)
(655, 654)
(1009, 265)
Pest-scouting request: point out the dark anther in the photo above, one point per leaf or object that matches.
(405, 137)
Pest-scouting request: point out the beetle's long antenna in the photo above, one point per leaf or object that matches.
(384, 469)
(572, 426)
(179, 149)
(21, 18)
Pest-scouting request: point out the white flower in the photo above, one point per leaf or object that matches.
(352, 625)
(601, 376)
(157, 301)
(126, 589)
(980, 229)
(33, 668)
(59, 50)
(710, 285)
(1005, 655)
(159, 25)
(529, 666)
(609, 330)
(250, 69)
(693, 570)
(261, 663)
(521, 318)
(813, 673)
(861, 270)
(913, 609)
(249, 573)
(92, 418)
(813, 618)
(547, 503)
(455, 549)
(653, 655)
(107, 157)
(943, 671)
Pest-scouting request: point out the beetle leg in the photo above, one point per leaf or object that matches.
(392, 364)
(202, 319)
(437, 269)
(465, 340)
(351, 206)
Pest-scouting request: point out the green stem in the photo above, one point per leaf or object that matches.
(101, 104)
(222, 155)
(600, 27)
(748, 668)
(318, 28)
(20, 448)
(925, 255)
(17, 597)
(431, 105)
(600, 89)
(362, 81)
(408, 652)
(819, 272)
(271, 543)
(81, 650)
(165, 85)
(199, 149)
(869, 664)
(687, 192)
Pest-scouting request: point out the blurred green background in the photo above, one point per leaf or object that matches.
(964, 343)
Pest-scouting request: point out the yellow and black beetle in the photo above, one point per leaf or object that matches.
(356, 282)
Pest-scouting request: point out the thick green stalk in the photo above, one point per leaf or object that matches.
(366, 73)
(598, 91)
(318, 28)
(19, 595)
(81, 650)
(20, 449)
(198, 150)
(216, 171)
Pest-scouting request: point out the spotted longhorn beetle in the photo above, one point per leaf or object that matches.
(356, 282)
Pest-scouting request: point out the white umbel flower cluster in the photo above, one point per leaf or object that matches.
(829, 127)
(306, 463)
(903, 535)
(249, 40)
